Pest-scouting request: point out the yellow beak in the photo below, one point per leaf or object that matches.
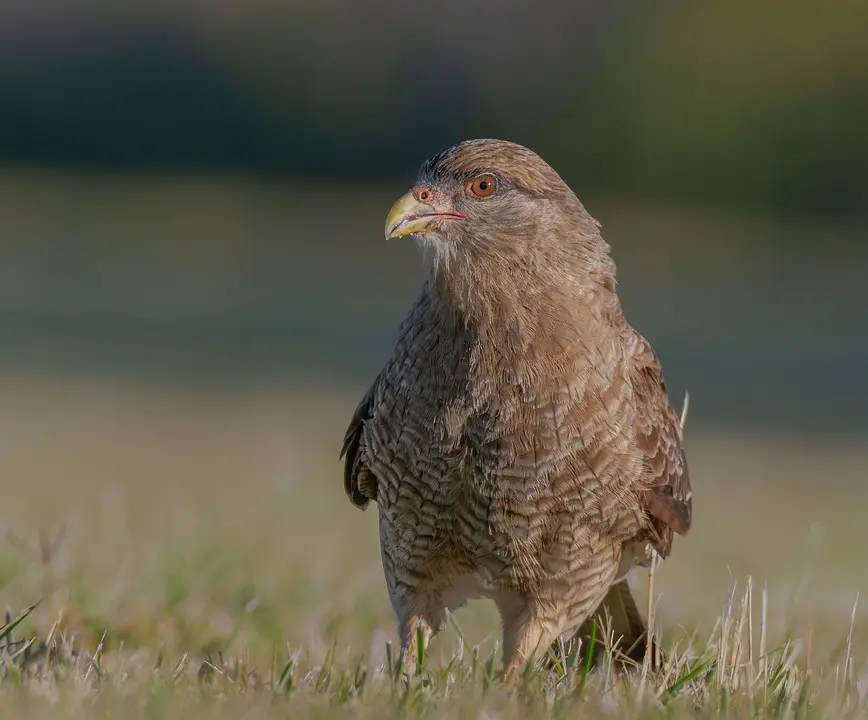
(408, 216)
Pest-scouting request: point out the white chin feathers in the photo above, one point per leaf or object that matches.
(437, 253)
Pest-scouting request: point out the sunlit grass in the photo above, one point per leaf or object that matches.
(737, 670)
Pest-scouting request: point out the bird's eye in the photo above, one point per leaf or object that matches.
(482, 186)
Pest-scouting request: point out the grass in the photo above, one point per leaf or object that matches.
(192, 555)
(731, 672)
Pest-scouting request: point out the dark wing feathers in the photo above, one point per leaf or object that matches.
(360, 484)
(658, 435)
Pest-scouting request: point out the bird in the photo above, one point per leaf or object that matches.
(519, 442)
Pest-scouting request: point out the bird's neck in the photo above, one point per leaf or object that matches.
(512, 313)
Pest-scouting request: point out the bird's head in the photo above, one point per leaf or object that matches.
(493, 203)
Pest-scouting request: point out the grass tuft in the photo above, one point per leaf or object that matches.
(717, 676)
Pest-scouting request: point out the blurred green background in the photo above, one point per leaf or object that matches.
(195, 290)
(199, 186)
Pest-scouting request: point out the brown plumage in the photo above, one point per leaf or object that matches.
(519, 442)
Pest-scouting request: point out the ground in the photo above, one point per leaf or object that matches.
(192, 553)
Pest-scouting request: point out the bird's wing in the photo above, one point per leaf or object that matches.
(658, 436)
(360, 484)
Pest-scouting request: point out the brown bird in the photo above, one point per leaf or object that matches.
(519, 442)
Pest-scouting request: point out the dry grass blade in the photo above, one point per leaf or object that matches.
(684, 407)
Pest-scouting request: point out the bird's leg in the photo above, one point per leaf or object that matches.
(616, 616)
(527, 635)
(416, 627)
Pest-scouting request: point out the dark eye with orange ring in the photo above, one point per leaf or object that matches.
(482, 186)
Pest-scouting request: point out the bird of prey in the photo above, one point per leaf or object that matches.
(519, 442)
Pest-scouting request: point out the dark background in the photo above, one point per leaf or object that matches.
(195, 190)
(738, 105)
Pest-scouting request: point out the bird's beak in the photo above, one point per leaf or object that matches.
(409, 216)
